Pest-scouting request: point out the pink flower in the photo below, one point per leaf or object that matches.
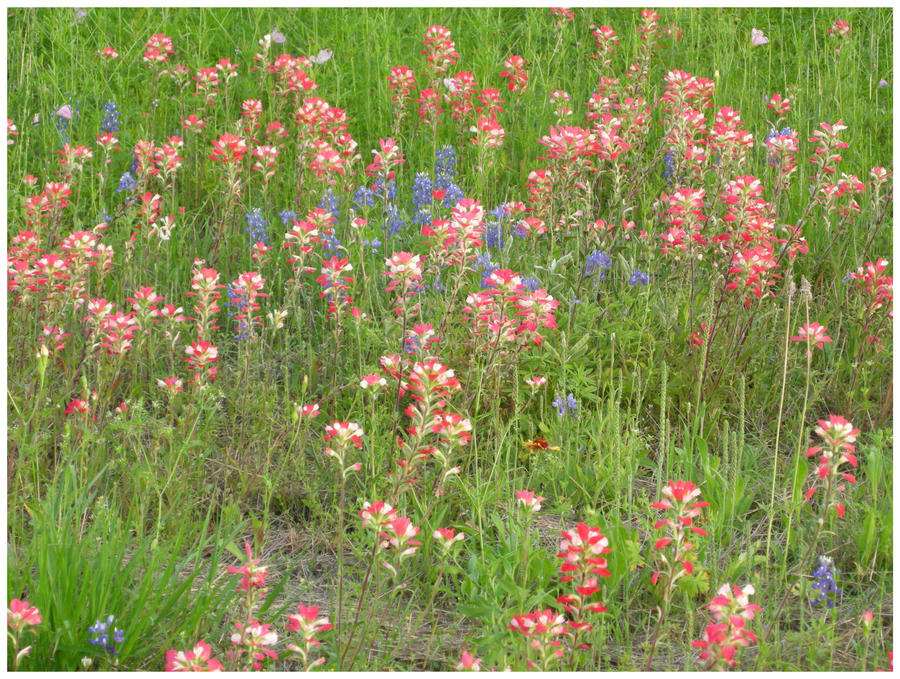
(253, 576)
(399, 534)
(730, 602)
(813, 333)
(376, 514)
(677, 503)
(536, 382)
(447, 537)
(255, 636)
(840, 29)
(722, 638)
(22, 614)
(837, 432)
(310, 411)
(371, 381)
(531, 503)
(518, 78)
(867, 618)
(469, 662)
(196, 660)
(581, 549)
(344, 433)
(308, 623)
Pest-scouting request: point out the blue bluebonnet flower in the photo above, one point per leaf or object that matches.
(330, 244)
(393, 222)
(413, 344)
(783, 132)
(134, 165)
(639, 278)
(531, 284)
(374, 244)
(669, 171)
(597, 261)
(257, 227)
(493, 231)
(126, 182)
(488, 267)
(287, 217)
(110, 122)
(560, 406)
(828, 590)
(331, 202)
(421, 189)
(437, 285)
(493, 235)
(570, 403)
(237, 303)
(445, 162)
(106, 635)
(453, 196)
(363, 198)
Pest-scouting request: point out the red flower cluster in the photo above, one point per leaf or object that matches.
(838, 436)
(673, 549)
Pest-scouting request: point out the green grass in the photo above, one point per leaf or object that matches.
(167, 487)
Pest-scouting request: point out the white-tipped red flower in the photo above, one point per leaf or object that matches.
(536, 382)
(344, 433)
(468, 661)
(447, 537)
(516, 73)
(308, 623)
(198, 659)
(255, 636)
(21, 614)
(253, 576)
(399, 533)
(733, 602)
(673, 549)
(309, 411)
(838, 435)
(813, 333)
(376, 514)
(837, 432)
(581, 549)
(731, 609)
(530, 502)
(542, 628)
(374, 381)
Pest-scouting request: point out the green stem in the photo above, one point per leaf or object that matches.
(787, 332)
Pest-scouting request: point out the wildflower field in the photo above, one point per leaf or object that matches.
(438, 339)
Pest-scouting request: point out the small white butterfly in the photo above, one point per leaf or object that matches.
(450, 84)
(322, 57)
(757, 37)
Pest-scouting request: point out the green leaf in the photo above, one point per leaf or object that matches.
(695, 583)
